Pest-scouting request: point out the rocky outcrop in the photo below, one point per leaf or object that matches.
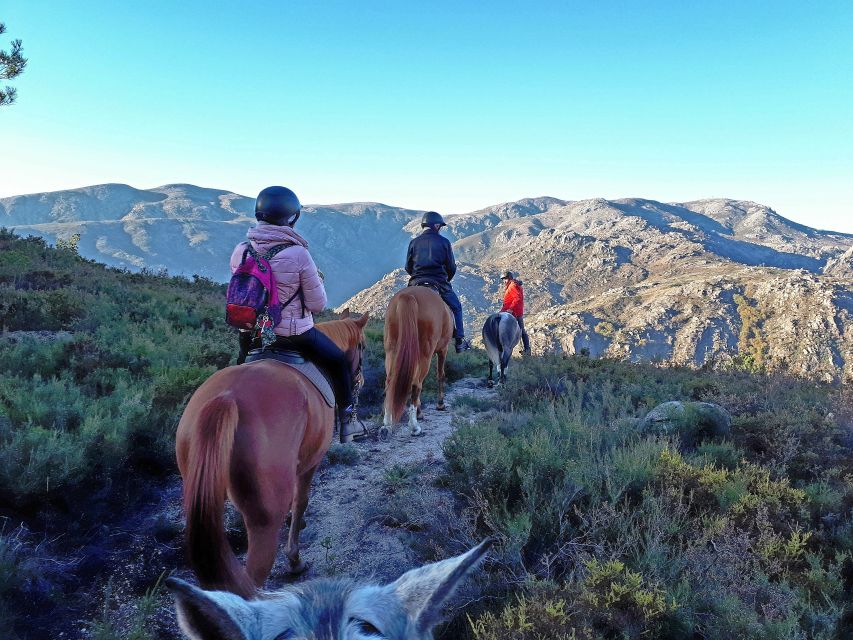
(709, 283)
(841, 266)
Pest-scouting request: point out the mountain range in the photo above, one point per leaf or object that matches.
(706, 282)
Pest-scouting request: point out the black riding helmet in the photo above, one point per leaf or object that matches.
(431, 218)
(278, 206)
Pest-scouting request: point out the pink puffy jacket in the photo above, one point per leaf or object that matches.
(292, 267)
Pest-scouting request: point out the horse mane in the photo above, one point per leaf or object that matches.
(344, 333)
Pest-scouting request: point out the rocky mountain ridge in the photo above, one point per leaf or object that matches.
(702, 282)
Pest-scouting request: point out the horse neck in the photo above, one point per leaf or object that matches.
(341, 332)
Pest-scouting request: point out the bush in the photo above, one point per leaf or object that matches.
(346, 454)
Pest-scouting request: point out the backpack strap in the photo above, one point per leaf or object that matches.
(246, 252)
(298, 292)
(269, 255)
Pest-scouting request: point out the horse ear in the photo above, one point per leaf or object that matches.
(424, 591)
(208, 615)
(363, 320)
(345, 314)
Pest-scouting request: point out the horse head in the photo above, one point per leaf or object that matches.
(406, 609)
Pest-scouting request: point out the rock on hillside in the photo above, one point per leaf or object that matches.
(841, 266)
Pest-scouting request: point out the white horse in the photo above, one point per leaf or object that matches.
(500, 335)
(406, 609)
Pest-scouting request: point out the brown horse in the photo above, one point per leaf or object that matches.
(255, 433)
(417, 325)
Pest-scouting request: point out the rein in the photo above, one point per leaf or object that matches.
(355, 391)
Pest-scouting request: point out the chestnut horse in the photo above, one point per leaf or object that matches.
(418, 324)
(255, 433)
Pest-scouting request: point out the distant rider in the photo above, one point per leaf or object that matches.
(277, 210)
(430, 260)
(514, 304)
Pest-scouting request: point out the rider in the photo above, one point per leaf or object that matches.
(277, 209)
(514, 304)
(430, 260)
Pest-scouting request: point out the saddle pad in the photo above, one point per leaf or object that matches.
(307, 369)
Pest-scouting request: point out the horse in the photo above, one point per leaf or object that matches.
(406, 609)
(418, 325)
(500, 335)
(255, 433)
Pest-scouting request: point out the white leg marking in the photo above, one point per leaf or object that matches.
(413, 420)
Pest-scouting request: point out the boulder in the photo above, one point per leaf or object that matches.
(692, 422)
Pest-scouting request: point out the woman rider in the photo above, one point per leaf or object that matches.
(277, 209)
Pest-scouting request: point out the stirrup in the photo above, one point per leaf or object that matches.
(462, 345)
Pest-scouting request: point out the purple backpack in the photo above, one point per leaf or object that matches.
(251, 303)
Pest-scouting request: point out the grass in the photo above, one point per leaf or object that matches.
(133, 625)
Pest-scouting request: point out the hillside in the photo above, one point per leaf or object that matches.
(706, 282)
(189, 230)
(742, 535)
(699, 283)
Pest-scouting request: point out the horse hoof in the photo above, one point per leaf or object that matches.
(299, 568)
(441, 407)
(384, 434)
(417, 433)
(490, 384)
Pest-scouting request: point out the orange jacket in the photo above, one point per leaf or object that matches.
(514, 298)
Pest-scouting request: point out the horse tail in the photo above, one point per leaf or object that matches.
(492, 337)
(208, 462)
(405, 354)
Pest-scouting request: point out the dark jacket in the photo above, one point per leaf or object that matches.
(430, 257)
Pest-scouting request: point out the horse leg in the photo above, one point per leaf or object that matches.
(490, 382)
(263, 544)
(264, 517)
(414, 410)
(439, 372)
(300, 504)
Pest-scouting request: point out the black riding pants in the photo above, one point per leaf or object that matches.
(317, 347)
(524, 339)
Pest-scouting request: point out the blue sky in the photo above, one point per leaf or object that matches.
(445, 105)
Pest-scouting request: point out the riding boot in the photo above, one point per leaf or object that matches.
(462, 344)
(347, 426)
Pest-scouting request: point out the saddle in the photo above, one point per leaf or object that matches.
(294, 360)
(428, 284)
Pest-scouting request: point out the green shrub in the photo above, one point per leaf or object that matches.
(346, 454)
(744, 537)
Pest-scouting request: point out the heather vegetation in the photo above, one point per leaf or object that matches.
(606, 530)
(95, 365)
(609, 533)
